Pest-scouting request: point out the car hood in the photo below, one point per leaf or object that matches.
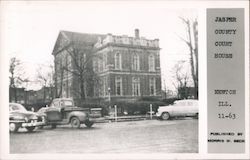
(165, 107)
(27, 114)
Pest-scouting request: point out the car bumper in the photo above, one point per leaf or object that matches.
(158, 114)
(33, 124)
(92, 119)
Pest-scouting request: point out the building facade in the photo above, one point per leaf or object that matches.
(118, 68)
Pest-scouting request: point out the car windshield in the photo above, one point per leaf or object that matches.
(17, 107)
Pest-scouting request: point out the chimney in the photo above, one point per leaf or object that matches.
(137, 34)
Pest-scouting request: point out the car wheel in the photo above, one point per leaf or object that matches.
(30, 129)
(13, 127)
(89, 124)
(75, 122)
(165, 116)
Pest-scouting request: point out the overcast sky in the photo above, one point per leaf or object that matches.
(30, 29)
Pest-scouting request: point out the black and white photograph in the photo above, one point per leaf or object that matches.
(102, 80)
(117, 80)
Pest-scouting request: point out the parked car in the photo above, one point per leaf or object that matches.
(185, 108)
(63, 111)
(20, 117)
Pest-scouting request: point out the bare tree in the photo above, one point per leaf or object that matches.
(182, 78)
(46, 77)
(77, 61)
(16, 77)
(192, 43)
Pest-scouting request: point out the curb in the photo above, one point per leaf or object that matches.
(123, 119)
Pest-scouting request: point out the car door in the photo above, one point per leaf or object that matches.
(54, 112)
(178, 109)
(193, 108)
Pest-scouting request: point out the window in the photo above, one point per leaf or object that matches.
(136, 62)
(118, 61)
(152, 86)
(104, 61)
(136, 86)
(100, 88)
(81, 59)
(100, 65)
(95, 65)
(67, 103)
(118, 86)
(151, 62)
(105, 86)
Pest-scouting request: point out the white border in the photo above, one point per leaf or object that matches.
(202, 5)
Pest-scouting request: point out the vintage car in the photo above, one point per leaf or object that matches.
(20, 117)
(180, 108)
(63, 111)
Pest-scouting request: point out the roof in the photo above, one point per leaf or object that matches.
(83, 37)
(88, 39)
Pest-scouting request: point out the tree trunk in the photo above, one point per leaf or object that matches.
(192, 55)
(195, 32)
(82, 88)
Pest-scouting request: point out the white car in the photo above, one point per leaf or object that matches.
(182, 108)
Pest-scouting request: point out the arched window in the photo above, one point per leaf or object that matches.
(152, 86)
(118, 61)
(104, 61)
(136, 62)
(151, 62)
(136, 86)
(118, 86)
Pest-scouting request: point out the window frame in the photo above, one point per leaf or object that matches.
(118, 61)
(118, 79)
(136, 86)
(151, 62)
(152, 83)
(136, 62)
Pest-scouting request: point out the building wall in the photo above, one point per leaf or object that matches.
(127, 72)
(103, 82)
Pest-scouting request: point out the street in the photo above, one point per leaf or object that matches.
(147, 136)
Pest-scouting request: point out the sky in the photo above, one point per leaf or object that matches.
(30, 29)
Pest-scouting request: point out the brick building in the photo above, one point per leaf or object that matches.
(117, 67)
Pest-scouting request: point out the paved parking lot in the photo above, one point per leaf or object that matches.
(148, 136)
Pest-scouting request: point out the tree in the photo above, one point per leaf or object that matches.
(16, 77)
(182, 78)
(192, 43)
(46, 78)
(77, 61)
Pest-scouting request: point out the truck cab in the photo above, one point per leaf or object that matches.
(63, 111)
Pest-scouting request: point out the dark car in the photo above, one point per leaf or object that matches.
(19, 117)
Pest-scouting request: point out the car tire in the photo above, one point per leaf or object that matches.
(89, 124)
(13, 127)
(165, 116)
(75, 122)
(30, 129)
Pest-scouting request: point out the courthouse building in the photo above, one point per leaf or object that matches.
(124, 68)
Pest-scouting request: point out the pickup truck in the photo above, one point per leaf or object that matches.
(63, 111)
